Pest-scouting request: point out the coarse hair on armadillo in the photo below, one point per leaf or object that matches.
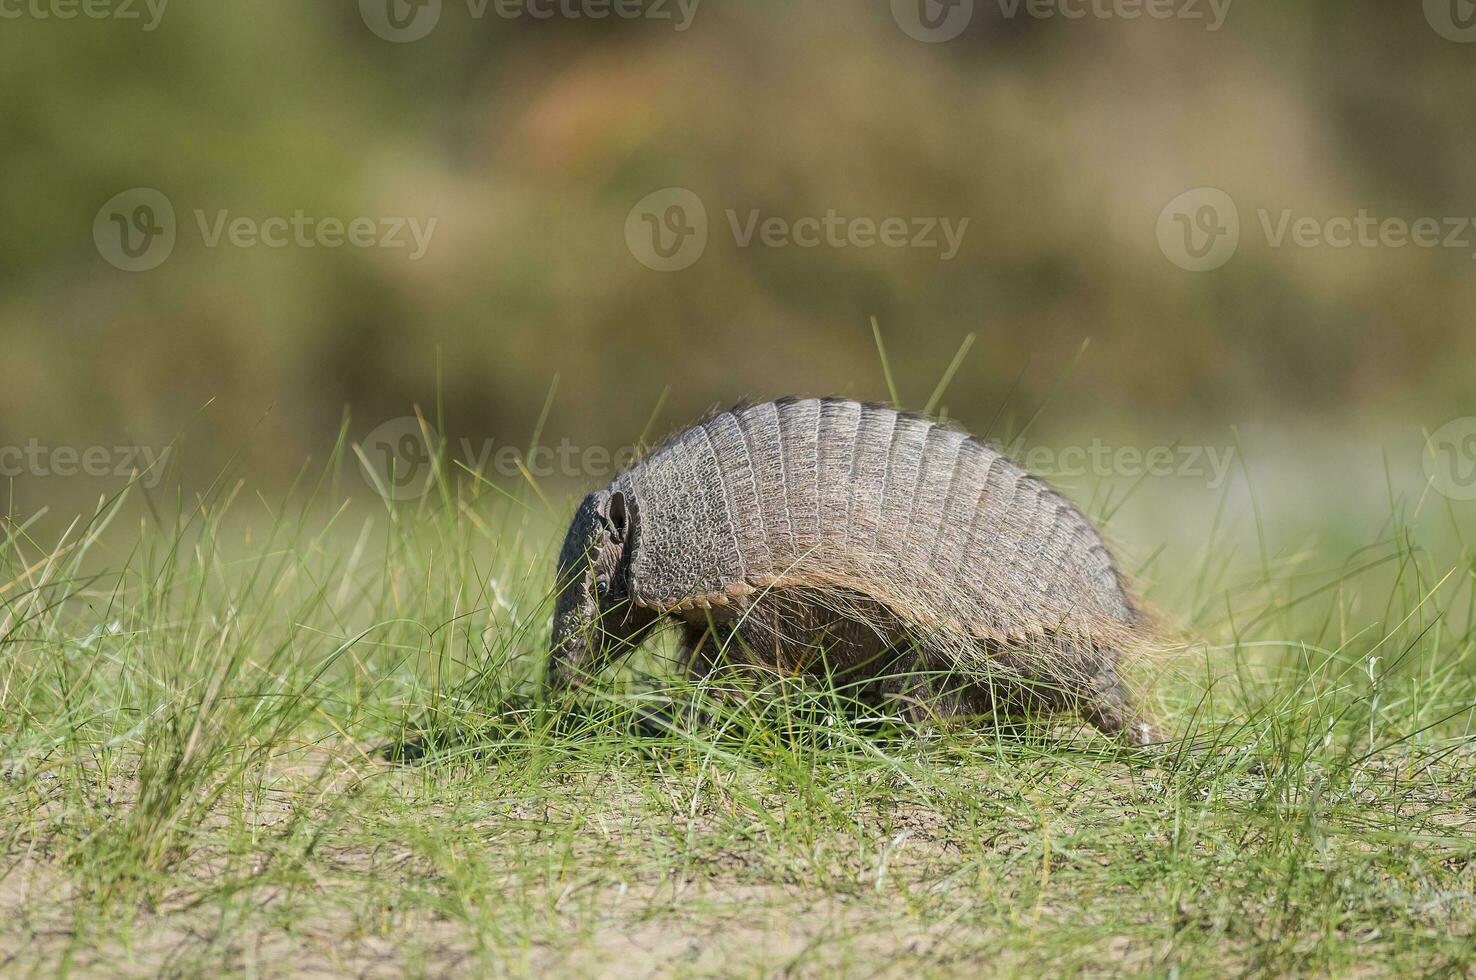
(888, 518)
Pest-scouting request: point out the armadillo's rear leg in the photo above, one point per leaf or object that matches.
(924, 698)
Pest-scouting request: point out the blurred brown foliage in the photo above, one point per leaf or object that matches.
(530, 140)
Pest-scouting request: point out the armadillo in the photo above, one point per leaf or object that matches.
(832, 539)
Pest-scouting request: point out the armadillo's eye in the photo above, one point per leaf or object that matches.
(602, 586)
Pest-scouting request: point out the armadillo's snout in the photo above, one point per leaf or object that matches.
(563, 663)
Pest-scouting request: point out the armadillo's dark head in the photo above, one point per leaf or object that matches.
(594, 617)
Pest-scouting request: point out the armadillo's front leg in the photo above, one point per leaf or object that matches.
(694, 650)
(736, 656)
(927, 697)
(702, 646)
(728, 652)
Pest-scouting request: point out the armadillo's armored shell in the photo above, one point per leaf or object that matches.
(829, 493)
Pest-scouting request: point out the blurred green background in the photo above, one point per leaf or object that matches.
(529, 140)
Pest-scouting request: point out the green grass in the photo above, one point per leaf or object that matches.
(194, 694)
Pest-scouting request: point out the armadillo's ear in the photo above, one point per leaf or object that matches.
(620, 517)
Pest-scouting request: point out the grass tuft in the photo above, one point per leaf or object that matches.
(199, 697)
